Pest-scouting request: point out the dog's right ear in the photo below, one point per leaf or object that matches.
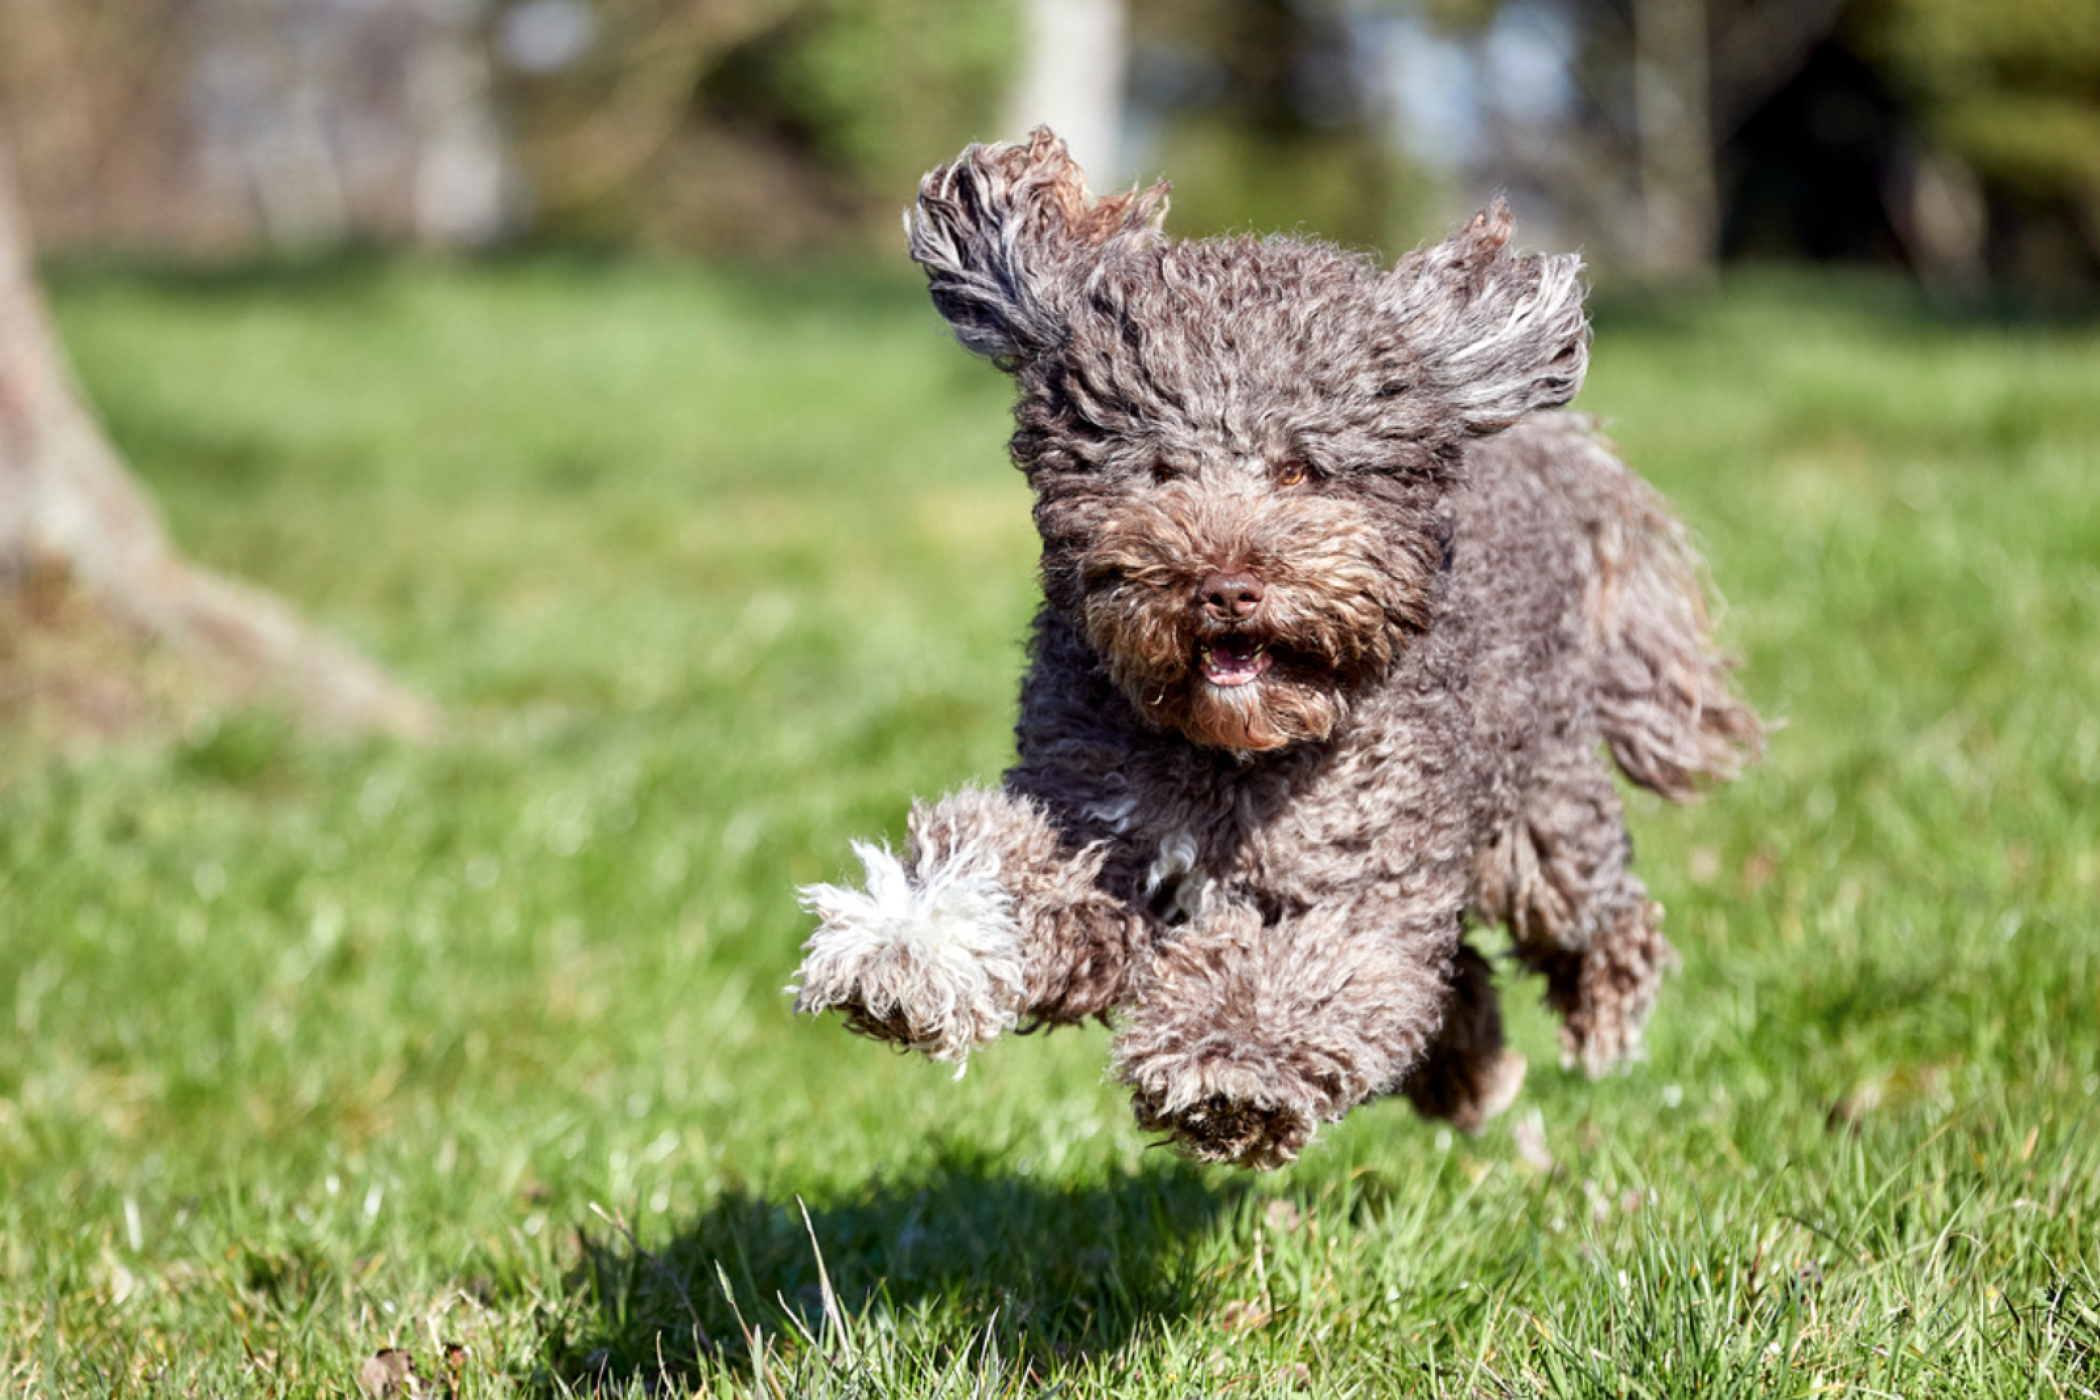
(1006, 233)
(1501, 335)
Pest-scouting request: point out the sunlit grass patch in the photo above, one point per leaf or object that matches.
(313, 1051)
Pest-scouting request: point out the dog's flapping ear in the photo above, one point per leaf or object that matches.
(1006, 234)
(1500, 335)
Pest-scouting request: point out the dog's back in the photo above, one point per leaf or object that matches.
(1658, 684)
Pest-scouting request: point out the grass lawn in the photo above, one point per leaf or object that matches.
(478, 1049)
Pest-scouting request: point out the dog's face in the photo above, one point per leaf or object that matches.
(1236, 493)
(1238, 448)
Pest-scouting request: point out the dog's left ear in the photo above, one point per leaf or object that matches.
(1007, 235)
(1499, 335)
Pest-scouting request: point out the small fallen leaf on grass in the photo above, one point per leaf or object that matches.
(1758, 868)
(390, 1372)
(1861, 1100)
(1530, 1135)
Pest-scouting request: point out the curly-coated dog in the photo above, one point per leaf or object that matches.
(1337, 626)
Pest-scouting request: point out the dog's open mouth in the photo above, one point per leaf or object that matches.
(1233, 661)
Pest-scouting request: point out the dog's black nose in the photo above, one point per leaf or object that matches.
(1230, 595)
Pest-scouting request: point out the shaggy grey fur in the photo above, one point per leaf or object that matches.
(1336, 623)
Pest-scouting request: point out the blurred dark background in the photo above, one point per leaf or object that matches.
(1955, 140)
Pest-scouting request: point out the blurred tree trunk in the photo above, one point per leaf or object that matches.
(93, 595)
(1673, 98)
(1074, 55)
(1700, 68)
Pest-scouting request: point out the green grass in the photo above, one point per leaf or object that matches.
(314, 1050)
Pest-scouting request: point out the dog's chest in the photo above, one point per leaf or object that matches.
(1285, 834)
(1179, 884)
(1192, 839)
(1172, 862)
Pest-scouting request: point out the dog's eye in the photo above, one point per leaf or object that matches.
(1292, 473)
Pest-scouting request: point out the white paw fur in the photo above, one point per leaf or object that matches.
(937, 949)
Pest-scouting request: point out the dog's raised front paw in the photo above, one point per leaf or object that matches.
(1232, 1132)
(1226, 1098)
(929, 958)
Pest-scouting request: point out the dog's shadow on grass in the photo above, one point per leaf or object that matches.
(1052, 1272)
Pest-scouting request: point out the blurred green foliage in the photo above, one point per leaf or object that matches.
(759, 125)
(788, 127)
(2011, 87)
(1272, 114)
(1230, 179)
(880, 84)
(1249, 147)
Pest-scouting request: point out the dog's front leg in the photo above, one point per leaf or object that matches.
(1244, 1036)
(990, 917)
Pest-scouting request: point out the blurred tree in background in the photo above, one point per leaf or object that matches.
(104, 626)
(2007, 101)
(226, 124)
(1961, 141)
(755, 124)
(1267, 115)
(205, 125)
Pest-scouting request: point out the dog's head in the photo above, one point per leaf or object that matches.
(1237, 447)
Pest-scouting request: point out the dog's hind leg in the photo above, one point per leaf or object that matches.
(1660, 699)
(989, 918)
(1558, 877)
(1467, 1075)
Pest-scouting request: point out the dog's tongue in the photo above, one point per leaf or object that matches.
(1233, 661)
